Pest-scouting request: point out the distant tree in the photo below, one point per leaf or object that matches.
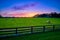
(44, 15)
(59, 15)
(52, 14)
(41, 15)
(0, 16)
(37, 15)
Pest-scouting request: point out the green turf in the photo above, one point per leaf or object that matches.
(17, 22)
(41, 36)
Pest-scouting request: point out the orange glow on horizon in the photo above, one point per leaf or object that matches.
(27, 14)
(20, 14)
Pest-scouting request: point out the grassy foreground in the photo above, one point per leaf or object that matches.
(17, 22)
(41, 36)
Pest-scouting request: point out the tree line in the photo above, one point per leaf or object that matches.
(52, 15)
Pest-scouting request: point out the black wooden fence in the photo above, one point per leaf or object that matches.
(4, 32)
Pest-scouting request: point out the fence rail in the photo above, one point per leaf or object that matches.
(27, 30)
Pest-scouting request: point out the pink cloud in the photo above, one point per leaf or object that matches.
(19, 14)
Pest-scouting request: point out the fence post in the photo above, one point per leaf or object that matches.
(43, 28)
(16, 31)
(53, 28)
(31, 29)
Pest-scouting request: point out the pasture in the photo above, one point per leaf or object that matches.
(28, 22)
(25, 22)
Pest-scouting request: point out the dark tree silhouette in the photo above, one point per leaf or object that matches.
(52, 14)
(0, 16)
(37, 15)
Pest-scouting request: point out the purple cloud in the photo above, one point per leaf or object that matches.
(23, 7)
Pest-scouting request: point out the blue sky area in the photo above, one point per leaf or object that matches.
(43, 5)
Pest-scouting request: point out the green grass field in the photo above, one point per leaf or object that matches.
(18, 22)
(26, 22)
(39, 36)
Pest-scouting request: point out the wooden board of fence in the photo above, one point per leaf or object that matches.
(28, 30)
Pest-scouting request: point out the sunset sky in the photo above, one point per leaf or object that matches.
(28, 8)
